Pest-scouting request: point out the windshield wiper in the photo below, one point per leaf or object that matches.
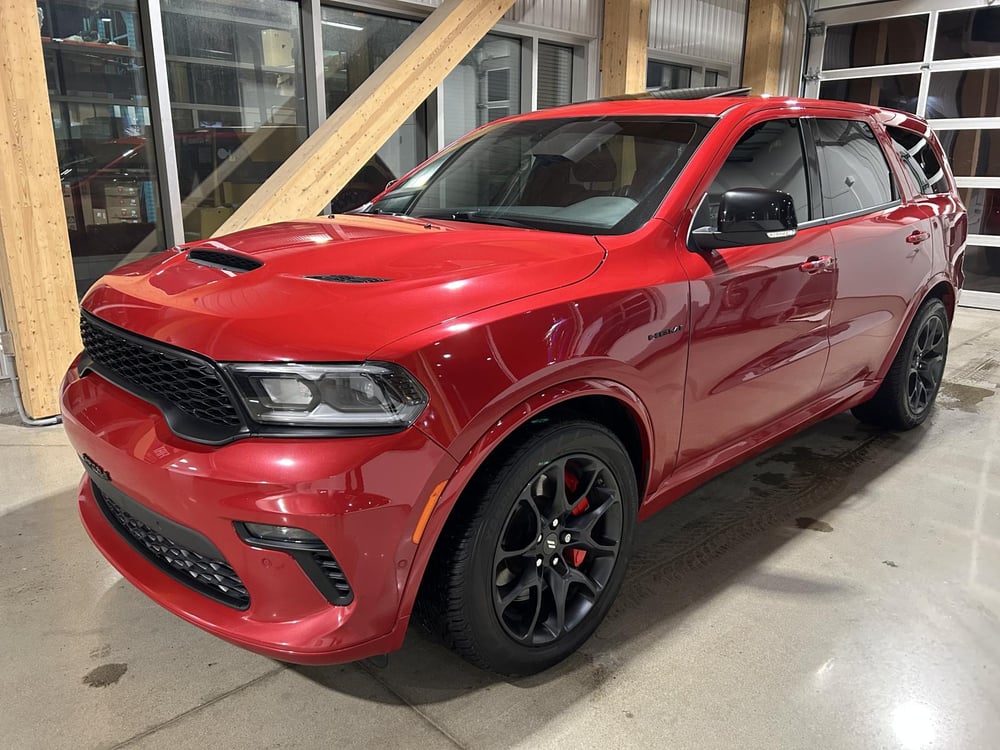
(477, 217)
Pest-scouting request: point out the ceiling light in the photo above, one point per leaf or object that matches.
(343, 26)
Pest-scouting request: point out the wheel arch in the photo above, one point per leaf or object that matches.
(608, 403)
(945, 292)
(937, 288)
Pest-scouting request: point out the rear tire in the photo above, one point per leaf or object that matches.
(909, 390)
(534, 556)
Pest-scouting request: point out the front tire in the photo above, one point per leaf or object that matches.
(533, 559)
(905, 398)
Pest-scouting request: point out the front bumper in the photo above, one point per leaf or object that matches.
(361, 496)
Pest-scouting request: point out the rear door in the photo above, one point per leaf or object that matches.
(884, 243)
(759, 314)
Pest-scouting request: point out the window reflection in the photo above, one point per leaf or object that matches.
(97, 90)
(236, 100)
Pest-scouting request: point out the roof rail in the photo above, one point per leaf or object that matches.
(701, 92)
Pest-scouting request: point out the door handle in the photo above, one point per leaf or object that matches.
(817, 264)
(916, 237)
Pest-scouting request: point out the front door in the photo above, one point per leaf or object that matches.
(759, 314)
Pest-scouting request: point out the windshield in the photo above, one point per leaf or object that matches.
(602, 175)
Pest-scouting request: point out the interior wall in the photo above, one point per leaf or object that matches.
(581, 17)
(792, 49)
(700, 29)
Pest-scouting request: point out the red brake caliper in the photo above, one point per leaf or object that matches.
(576, 556)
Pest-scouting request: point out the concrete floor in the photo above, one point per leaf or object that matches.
(841, 591)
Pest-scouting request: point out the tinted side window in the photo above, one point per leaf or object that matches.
(920, 159)
(853, 170)
(769, 155)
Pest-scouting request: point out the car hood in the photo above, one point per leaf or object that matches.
(390, 277)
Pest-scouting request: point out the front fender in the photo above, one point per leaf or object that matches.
(488, 440)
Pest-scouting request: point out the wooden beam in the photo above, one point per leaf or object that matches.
(624, 43)
(762, 53)
(36, 269)
(332, 155)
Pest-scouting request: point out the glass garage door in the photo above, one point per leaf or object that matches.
(943, 65)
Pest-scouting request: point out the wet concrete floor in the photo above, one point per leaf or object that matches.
(841, 590)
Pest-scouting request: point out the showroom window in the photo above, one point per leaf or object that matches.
(98, 92)
(236, 99)
(678, 72)
(972, 152)
(716, 78)
(555, 75)
(858, 45)
(237, 86)
(667, 75)
(967, 33)
(945, 66)
(484, 87)
(897, 92)
(355, 43)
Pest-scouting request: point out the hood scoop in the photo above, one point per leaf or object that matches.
(344, 279)
(226, 261)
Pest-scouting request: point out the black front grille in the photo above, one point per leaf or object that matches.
(210, 575)
(183, 381)
(227, 261)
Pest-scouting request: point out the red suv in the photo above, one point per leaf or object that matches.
(458, 401)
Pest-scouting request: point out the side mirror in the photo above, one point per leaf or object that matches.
(749, 216)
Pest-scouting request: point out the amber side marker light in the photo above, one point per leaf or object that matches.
(425, 516)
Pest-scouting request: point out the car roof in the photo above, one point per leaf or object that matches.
(737, 106)
(708, 107)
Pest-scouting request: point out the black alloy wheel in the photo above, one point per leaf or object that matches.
(905, 398)
(557, 549)
(930, 348)
(535, 551)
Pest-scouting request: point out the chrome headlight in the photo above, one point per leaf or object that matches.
(341, 395)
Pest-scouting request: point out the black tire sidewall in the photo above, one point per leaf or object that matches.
(931, 308)
(491, 641)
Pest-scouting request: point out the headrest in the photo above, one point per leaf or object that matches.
(597, 166)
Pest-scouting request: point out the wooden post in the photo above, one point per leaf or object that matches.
(328, 159)
(762, 54)
(36, 269)
(624, 43)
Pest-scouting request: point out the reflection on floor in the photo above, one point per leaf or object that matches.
(842, 590)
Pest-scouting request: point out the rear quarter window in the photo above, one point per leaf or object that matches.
(921, 161)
